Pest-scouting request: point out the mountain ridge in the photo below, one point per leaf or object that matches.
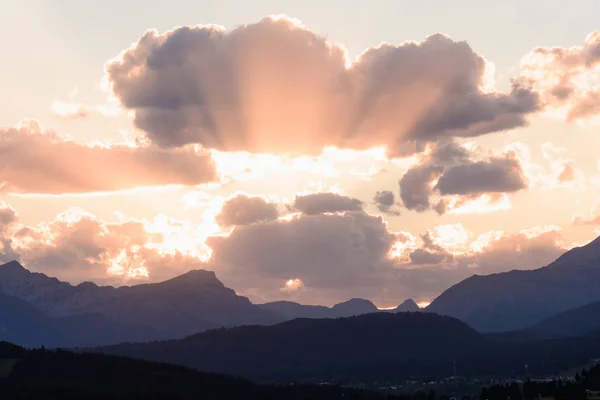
(193, 302)
(177, 307)
(517, 299)
(369, 347)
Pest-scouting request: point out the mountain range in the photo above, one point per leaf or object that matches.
(20, 322)
(38, 310)
(370, 347)
(518, 299)
(350, 308)
(561, 299)
(546, 319)
(184, 305)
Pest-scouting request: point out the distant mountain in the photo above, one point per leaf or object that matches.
(290, 310)
(187, 304)
(353, 307)
(22, 323)
(37, 374)
(580, 321)
(518, 299)
(408, 305)
(366, 346)
(350, 308)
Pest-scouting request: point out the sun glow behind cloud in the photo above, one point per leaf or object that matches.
(331, 163)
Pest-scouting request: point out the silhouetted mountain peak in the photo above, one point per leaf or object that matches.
(195, 278)
(13, 267)
(87, 285)
(407, 305)
(354, 307)
(189, 303)
(584, 256)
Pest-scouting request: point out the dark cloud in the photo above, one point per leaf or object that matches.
(7, 215)
(244, 210)
(495, 175)
(415, 186)
(458, 173)
(37, 161)
(319, 203)
(276, 87)
(422, 256)
(330, 250)
(385, 201)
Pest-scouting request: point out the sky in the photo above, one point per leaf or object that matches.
(304, 151)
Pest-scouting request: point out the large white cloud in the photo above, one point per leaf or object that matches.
(34, 160)
(275, 86)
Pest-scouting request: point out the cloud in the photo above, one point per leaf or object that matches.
(323, 258)
(353, 254)
(320, 203)
(8, 215)
(592, 219)
(452, 248)
(77, 246)
(496, 175)
(567, 174)
(464, 179)
(473, 204)
(244, 210)
(422, 256)
(415, 186)
(276, 87)
(566, 78)
(291, 285)
(563, 172)
(33, 160)
(326, 251)
(385, 202)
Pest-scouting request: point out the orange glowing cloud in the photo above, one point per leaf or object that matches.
(77, 246)
(567, 78)
(276, 87)
(35, 160)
